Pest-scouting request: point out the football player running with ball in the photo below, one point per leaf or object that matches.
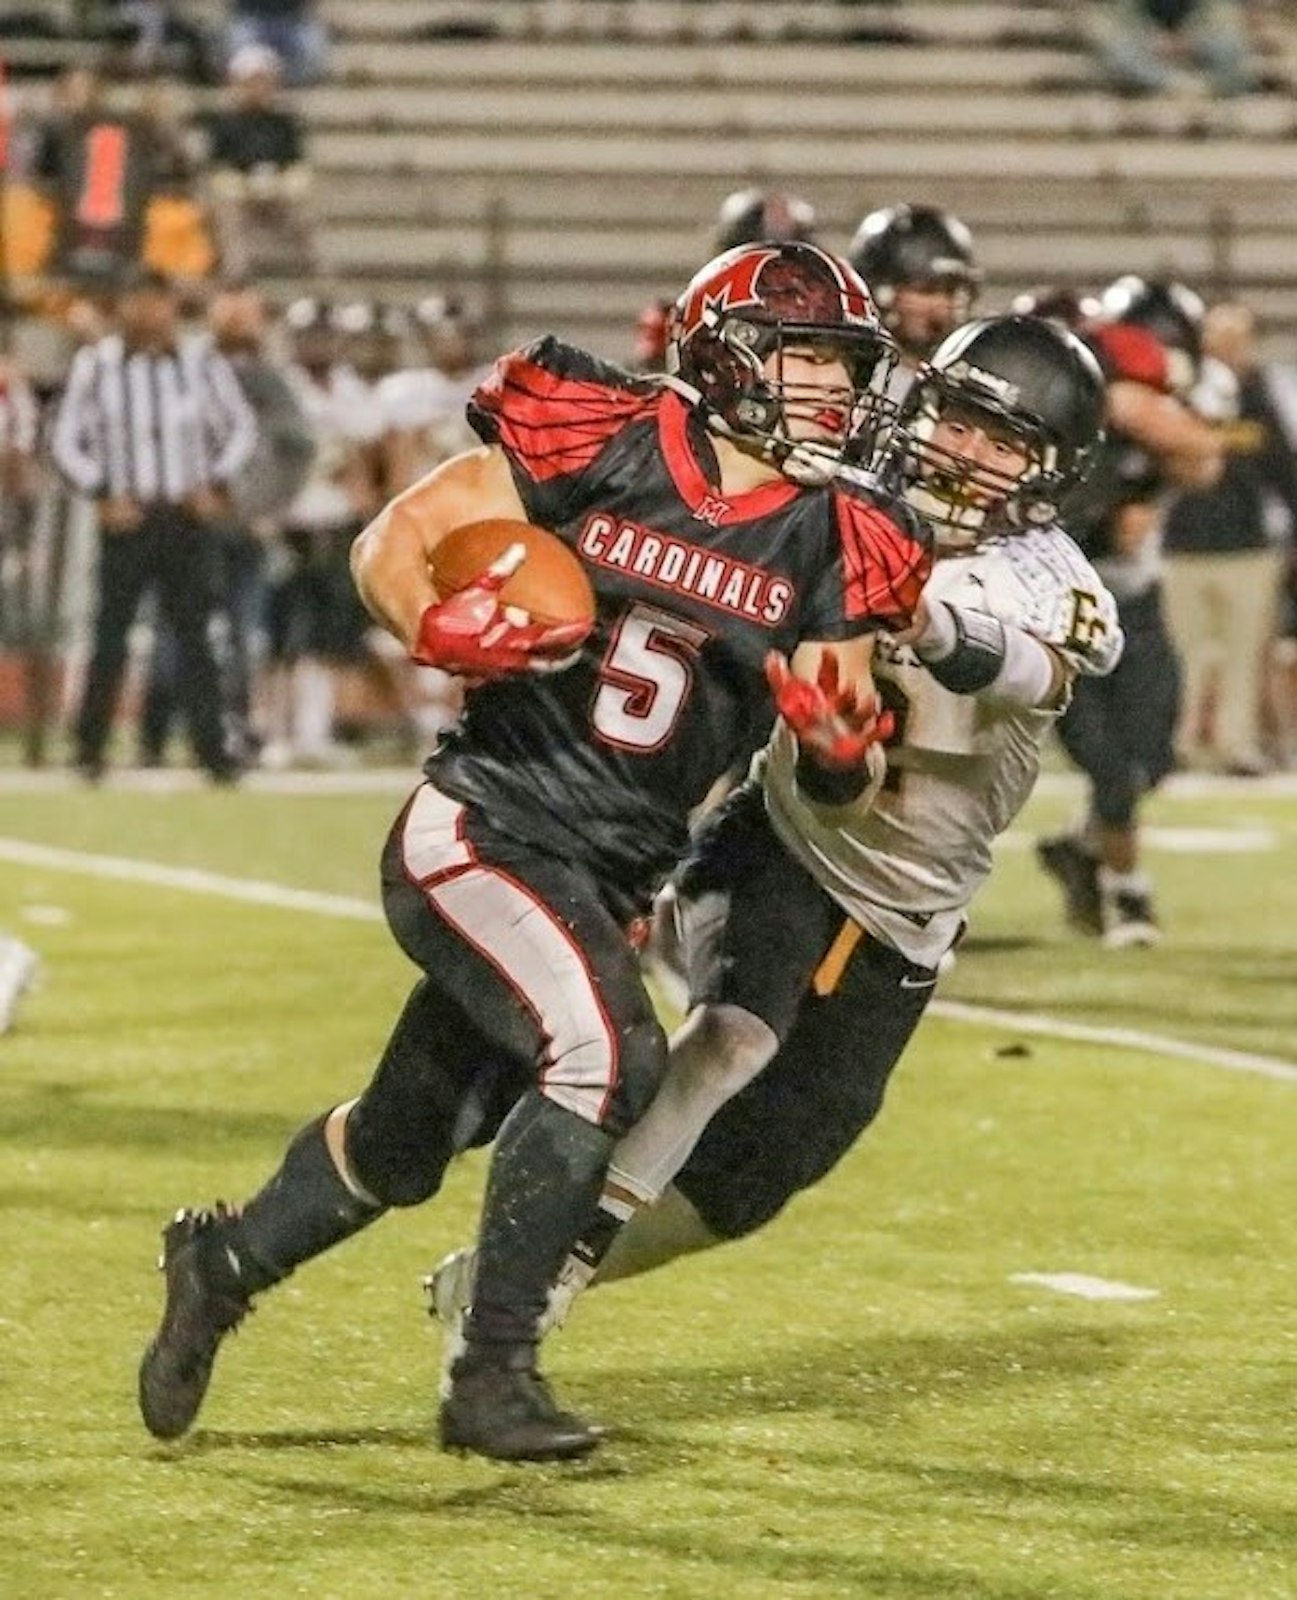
(702, 507)
(813, 925)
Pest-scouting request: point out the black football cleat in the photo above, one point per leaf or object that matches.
(1076, 871)
(202, 1307)
(508, 1414)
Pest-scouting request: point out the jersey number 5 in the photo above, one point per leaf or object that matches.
(645, 678)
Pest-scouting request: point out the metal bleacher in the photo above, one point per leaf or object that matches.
(560, 161)
(567, 168)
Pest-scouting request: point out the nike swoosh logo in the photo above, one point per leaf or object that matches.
(918, 983)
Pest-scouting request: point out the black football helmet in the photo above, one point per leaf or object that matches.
(1025, 380)
(748, 215)
(917, 247)
(1171, 312)
(1057, 302)
(756, 302)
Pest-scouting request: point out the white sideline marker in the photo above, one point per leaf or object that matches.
(193, 880)
(1084, 1286)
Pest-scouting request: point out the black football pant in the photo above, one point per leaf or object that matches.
(760, 933)
(178, 555)
(530, 982)
(1120, 730)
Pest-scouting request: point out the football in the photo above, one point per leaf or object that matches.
(550, 586)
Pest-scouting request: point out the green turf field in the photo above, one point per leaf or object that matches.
(861, 1402)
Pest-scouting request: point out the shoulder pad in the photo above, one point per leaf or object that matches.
(1131, 353)
(1041, 581)
(886, 553)
(553, 408)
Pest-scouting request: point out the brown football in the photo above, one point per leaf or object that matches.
(550, 586)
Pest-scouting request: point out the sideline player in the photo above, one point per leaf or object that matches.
(922, 271)
(1121, 731)
(813, 935)
(700, 507)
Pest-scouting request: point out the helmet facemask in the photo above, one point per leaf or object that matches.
(807, 428)
(751, 341)
(963, 500)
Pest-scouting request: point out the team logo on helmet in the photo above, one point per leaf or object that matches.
(730, 287)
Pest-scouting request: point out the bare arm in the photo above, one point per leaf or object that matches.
(389, 560)
(1190, 451)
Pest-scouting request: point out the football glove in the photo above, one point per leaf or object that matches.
(472, 635)
(832, 724)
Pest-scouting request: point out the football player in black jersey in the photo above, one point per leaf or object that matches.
(1120, 730)
(703, 507)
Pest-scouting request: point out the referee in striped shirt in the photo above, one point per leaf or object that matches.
(153, 426)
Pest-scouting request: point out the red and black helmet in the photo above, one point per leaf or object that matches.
(757, 301)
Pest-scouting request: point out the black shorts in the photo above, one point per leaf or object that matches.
(760, 933)
(1120, 730)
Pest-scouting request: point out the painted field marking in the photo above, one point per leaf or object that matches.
(393, 780)
(255, 891)
(1121, 1038)
(193, 880)
(1084, 1286)
(1176, 841)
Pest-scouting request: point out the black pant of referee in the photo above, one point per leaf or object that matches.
(173, 551)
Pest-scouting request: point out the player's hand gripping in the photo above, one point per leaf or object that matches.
(473, 635)
(834, 724)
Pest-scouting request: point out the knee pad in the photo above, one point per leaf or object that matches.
(391, 1169)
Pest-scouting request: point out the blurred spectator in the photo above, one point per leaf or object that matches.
(154, 427)
(151, 37)
(19, 436)
(1138, 41)
(313, 618)
(259, 497)
(290, 28)
(424, 414)
(423, 406)
(1225, 548)
(99, 165)
(259, 178)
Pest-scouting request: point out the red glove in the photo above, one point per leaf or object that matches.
(472, 634)
(831, 723)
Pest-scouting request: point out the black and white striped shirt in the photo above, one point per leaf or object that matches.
(152, 428)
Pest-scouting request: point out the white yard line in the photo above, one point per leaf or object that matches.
(194, 880)
(1121, 1038)
(394, 780)
(1084, 1286)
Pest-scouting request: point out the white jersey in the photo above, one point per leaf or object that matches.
(906, 859)
(343, 414)
(430, 403)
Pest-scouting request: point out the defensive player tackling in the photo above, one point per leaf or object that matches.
(813, 931)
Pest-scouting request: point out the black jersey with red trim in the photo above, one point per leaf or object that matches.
(603, 762)
(1122, 471)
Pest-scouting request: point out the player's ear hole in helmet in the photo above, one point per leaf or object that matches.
(999, 425)
(780, 348)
